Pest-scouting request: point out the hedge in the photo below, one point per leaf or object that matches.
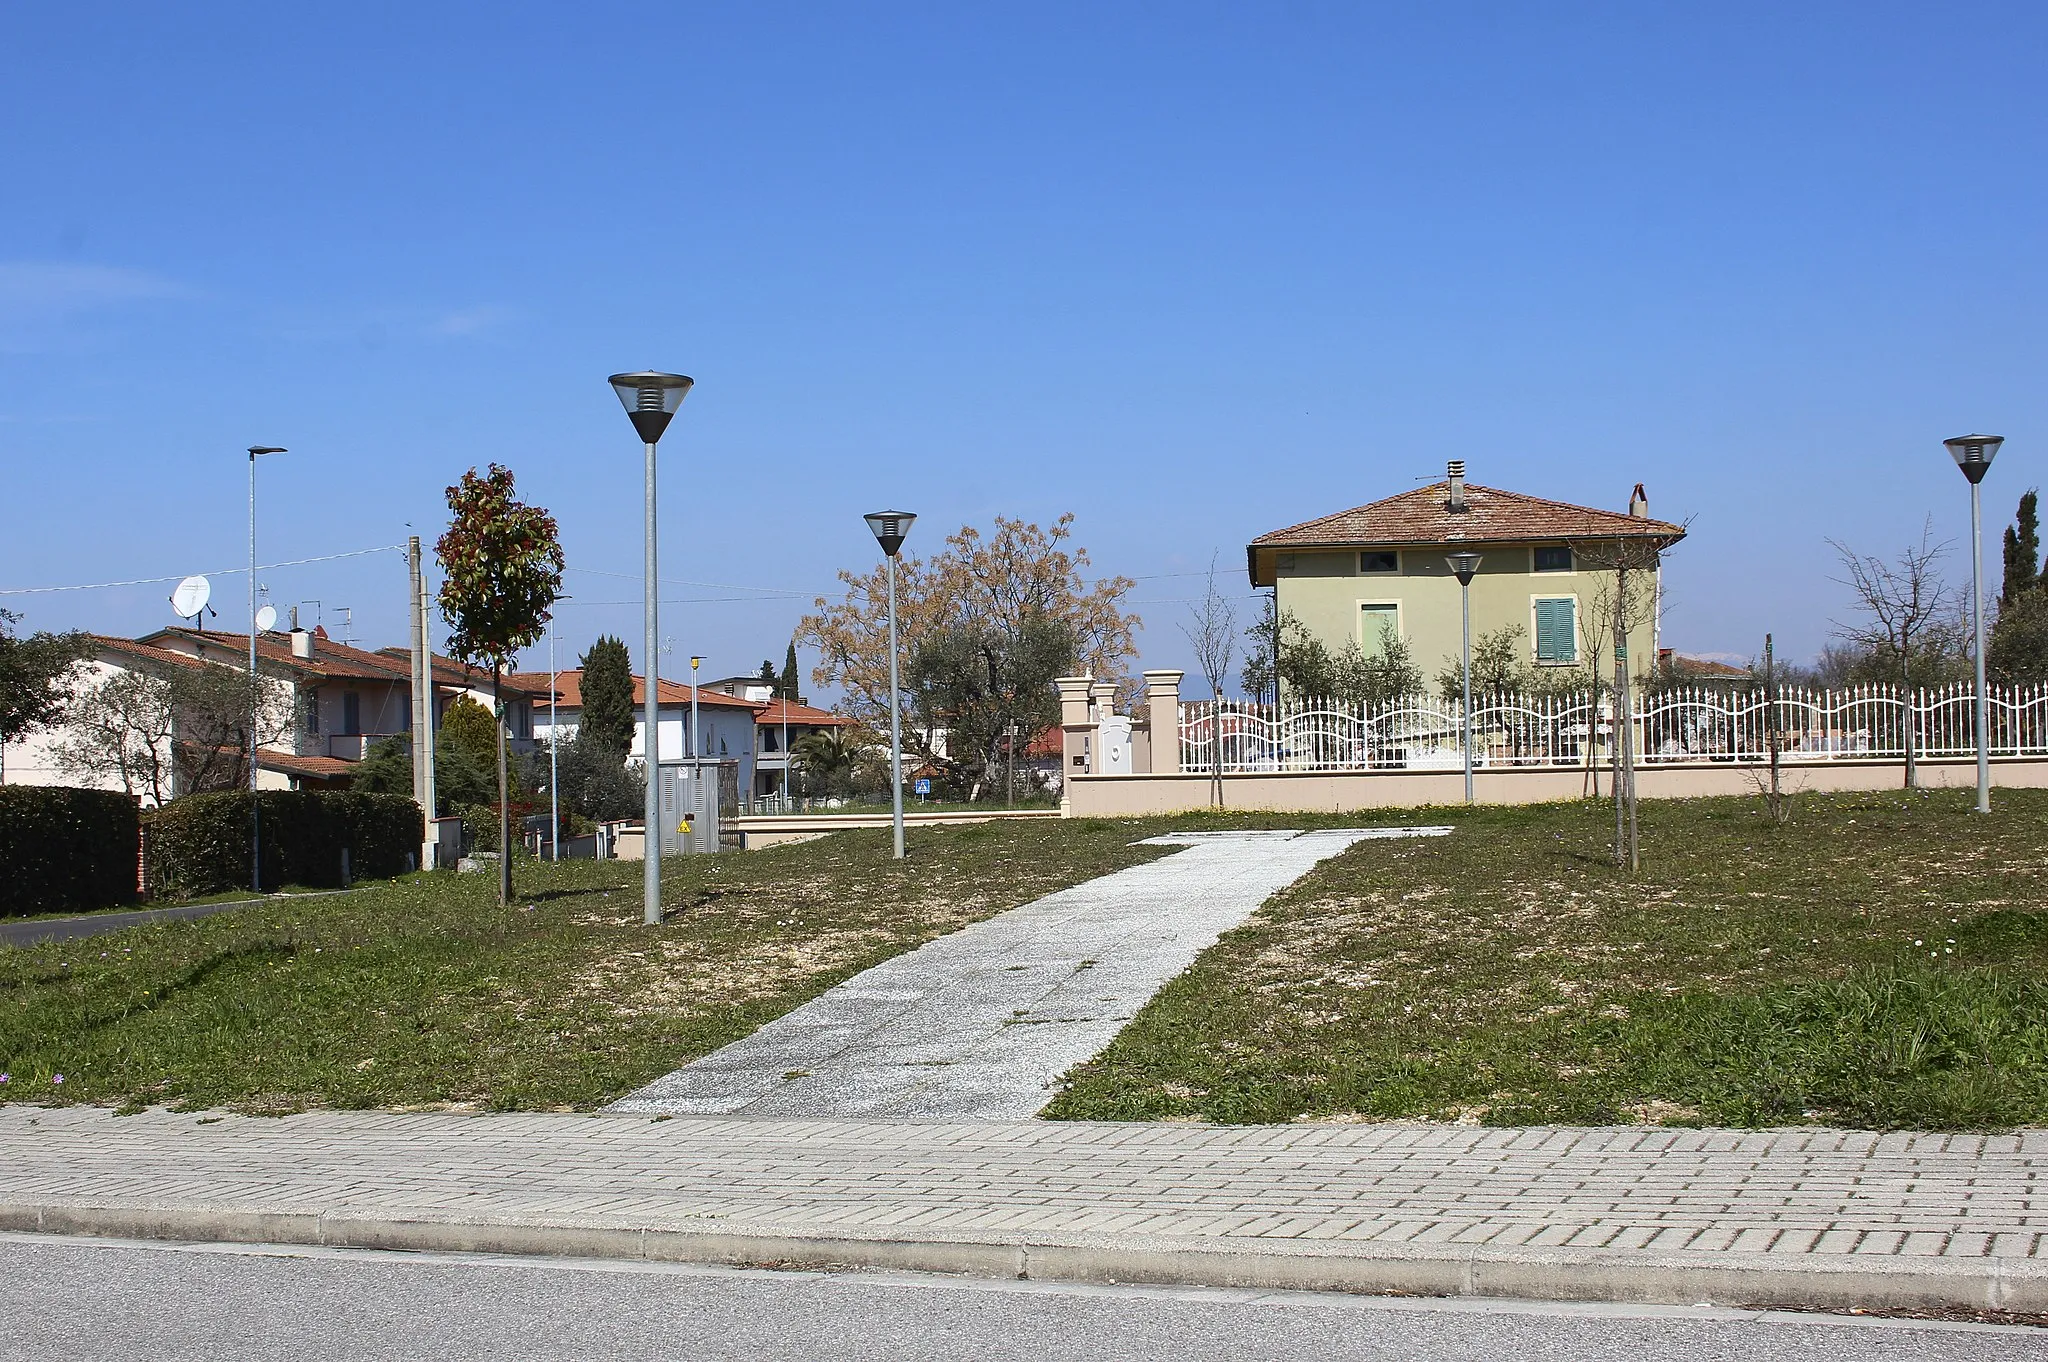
(200, 844)
(63, 848)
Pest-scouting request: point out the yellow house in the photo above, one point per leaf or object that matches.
(1546, 566)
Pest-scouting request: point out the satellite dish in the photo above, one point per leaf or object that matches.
(191, 596)
(266, 618)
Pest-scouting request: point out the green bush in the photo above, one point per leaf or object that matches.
(64, 848)
(479, 827)
(200, 844)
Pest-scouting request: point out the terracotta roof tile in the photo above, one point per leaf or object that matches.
(1493, 516)
(337, 661)
(771, 715)
(144, 652)
(570, 684)
(317, 768)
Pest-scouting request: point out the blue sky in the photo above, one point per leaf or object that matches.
(978, 261)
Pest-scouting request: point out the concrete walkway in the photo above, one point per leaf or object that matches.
(980, 1024)
(1800, 1217)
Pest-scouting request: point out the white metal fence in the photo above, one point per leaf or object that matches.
(1682, 725)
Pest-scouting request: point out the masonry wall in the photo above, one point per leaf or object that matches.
(1342, 791)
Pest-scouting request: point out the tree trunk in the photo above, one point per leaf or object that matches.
(1618, 728)
(1216, 714)
(504, 794)
(1906, 727)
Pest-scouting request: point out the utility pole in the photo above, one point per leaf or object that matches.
(422, 704)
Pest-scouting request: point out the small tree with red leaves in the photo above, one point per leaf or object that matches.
(502, 566)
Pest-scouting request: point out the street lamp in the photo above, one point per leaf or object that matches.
(1464, 565)
(891, 529)
(651, 400)
(255, 690)
(696, 739)
(554, 740)
(1973, 454)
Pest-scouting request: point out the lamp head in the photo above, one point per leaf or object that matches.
(651, 400)
(1974, 453)
(891, 529)
(1463, 566)
(257, 451)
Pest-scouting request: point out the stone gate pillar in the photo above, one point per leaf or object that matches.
(1162, 707)
(1077, 728)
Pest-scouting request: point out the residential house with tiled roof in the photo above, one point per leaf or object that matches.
(147, 759)
(344, 700)
(779, 726)
(326, 704)
(727, 721)
(1546, 568)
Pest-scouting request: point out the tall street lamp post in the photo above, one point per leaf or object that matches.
(1464, 565)
(1973, 454)
(255, 687)
(891, 528)
(696, 739)
(651, 400)
(554, 742)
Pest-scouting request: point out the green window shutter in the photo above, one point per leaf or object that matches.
(1376, 622)
(1555, 630)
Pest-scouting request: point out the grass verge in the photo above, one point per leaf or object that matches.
(1875, 963)
(421, 992)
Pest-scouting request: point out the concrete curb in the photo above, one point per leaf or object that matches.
(1825, 1282)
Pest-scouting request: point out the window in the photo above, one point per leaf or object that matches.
(312, 704)
(351, 713)
(1554, 558)
(1379, 560)
(1557, 630)
(1378, 622)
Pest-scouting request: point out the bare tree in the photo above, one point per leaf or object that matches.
(1907, 618)
(1627, 600)
(1213, 635)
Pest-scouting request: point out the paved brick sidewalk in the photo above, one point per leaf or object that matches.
(1810, 1217)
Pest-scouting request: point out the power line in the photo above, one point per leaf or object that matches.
(179, 577)
(681, 581)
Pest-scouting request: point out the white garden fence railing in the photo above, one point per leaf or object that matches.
(1671, 726)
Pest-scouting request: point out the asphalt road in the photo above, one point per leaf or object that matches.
(100, 1299)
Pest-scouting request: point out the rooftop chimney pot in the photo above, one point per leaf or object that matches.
(1639, 503)
(1456, 502)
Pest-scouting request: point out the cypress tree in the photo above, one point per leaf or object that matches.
(788, 688)
(2023, 551)
(608, 696)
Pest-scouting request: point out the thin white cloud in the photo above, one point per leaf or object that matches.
(471, 321)
(42, 301)
(57, 288)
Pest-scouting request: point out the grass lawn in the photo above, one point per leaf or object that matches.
(422, 992)
(1879, 962)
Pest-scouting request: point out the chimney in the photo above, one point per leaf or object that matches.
(1457, 498)
(302, 644)
(1639, 503)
